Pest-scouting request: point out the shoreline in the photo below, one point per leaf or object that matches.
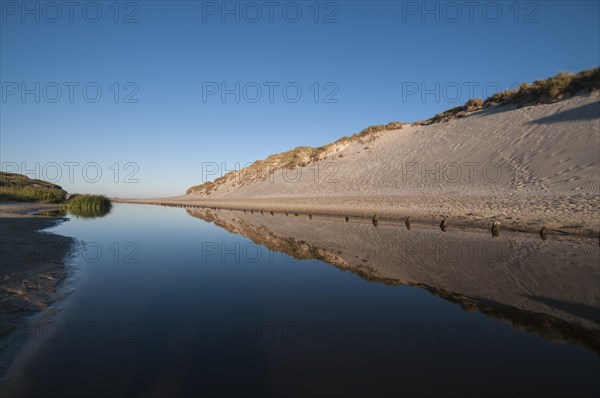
(461, 212)
(33, 265)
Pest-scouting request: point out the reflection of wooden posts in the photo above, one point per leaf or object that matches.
(543, 233)
(375, 219)
(495, 229)
(295, 214)
(272, 213)
(251, 211)
(347, 218)
(310, 216)
(261, 213)
(286, 213)
(407, 223)
(444, 225)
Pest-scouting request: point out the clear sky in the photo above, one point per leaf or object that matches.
(187, 84)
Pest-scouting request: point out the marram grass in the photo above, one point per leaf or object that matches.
(88, 206)
(21, 188)
(31, 194)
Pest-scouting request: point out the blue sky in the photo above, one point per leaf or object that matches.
(356, 63)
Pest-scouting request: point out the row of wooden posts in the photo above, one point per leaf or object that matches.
(495, 229)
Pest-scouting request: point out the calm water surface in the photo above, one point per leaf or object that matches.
(159, 303)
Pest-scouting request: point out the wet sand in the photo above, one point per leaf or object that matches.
(32, 263)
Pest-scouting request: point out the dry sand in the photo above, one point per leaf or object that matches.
(524, 167)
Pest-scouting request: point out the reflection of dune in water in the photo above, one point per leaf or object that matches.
(538, 286)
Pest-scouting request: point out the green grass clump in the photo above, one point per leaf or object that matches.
(89, 206)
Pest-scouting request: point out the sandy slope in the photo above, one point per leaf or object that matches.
(534, 150)
(525, 167)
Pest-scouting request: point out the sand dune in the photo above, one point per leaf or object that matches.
(525, 167)
(539, 150)
(543, 149)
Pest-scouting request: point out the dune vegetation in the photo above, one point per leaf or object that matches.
(17, 187)
(557, 88)
(88, 206)
(20, 188)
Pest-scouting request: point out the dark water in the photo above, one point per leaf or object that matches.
(160, 303)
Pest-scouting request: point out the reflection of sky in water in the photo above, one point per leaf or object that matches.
(182, 320)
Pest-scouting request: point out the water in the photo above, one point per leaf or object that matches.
(168, 302)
